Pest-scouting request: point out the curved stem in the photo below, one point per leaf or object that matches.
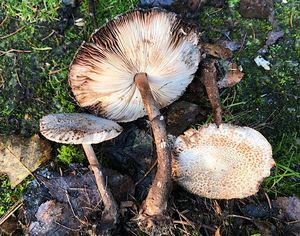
(209, 75)
(157, 199)
(110, 213)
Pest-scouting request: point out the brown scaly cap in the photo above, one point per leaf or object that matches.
(153, 41)
(222, 163)
(78, 128)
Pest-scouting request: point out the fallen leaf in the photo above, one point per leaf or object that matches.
(256, 9)
(290, 213)
(132, 152)
(20, 156)
(258, 211)
(217, 50)
(232, 77)
(10, 225)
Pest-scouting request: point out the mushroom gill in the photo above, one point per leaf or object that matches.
(154, 42)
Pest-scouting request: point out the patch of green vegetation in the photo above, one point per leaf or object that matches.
(233, 3)
(106, 10)
(32, 10)
(285, 177)
(70, 153)
(34, 76)
(9, 196)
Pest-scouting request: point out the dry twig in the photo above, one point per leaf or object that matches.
(13, 33)
(147, 173)
(11, 211)
(14, 50)
(3, 21)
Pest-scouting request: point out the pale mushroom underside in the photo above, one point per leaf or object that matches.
(222, 163)
(155, 42)
(78, 128)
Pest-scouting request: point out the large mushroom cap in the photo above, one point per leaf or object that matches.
(222, 163)
(155, 42)
(78, 128)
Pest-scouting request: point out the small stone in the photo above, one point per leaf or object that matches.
(180, 116)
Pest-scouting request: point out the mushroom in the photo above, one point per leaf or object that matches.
(222, 163)
(136, 64)
(85, 129)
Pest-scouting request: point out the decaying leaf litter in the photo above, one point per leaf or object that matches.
(182, 218)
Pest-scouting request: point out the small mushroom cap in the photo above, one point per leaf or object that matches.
(78, 128)
(222, 163)
(153, 41)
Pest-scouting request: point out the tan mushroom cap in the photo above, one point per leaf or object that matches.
(153, 41)
(222, 163)
(78, 128)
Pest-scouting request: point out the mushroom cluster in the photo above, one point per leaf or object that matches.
(133, 66)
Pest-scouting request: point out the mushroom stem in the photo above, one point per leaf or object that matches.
(209, 74)
(156, 201)
(92, 12)
(110, 212)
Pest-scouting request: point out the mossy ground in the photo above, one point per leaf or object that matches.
(268, 101)
(38, 40)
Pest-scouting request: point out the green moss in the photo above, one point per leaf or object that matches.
(70, 153)
(9, 196)
(233, 3)
(265, 100)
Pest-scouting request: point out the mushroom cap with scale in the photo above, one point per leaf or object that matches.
(78, 128)
(222, 163)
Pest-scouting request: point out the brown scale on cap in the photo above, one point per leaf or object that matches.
(78, 128)
(222, 163)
